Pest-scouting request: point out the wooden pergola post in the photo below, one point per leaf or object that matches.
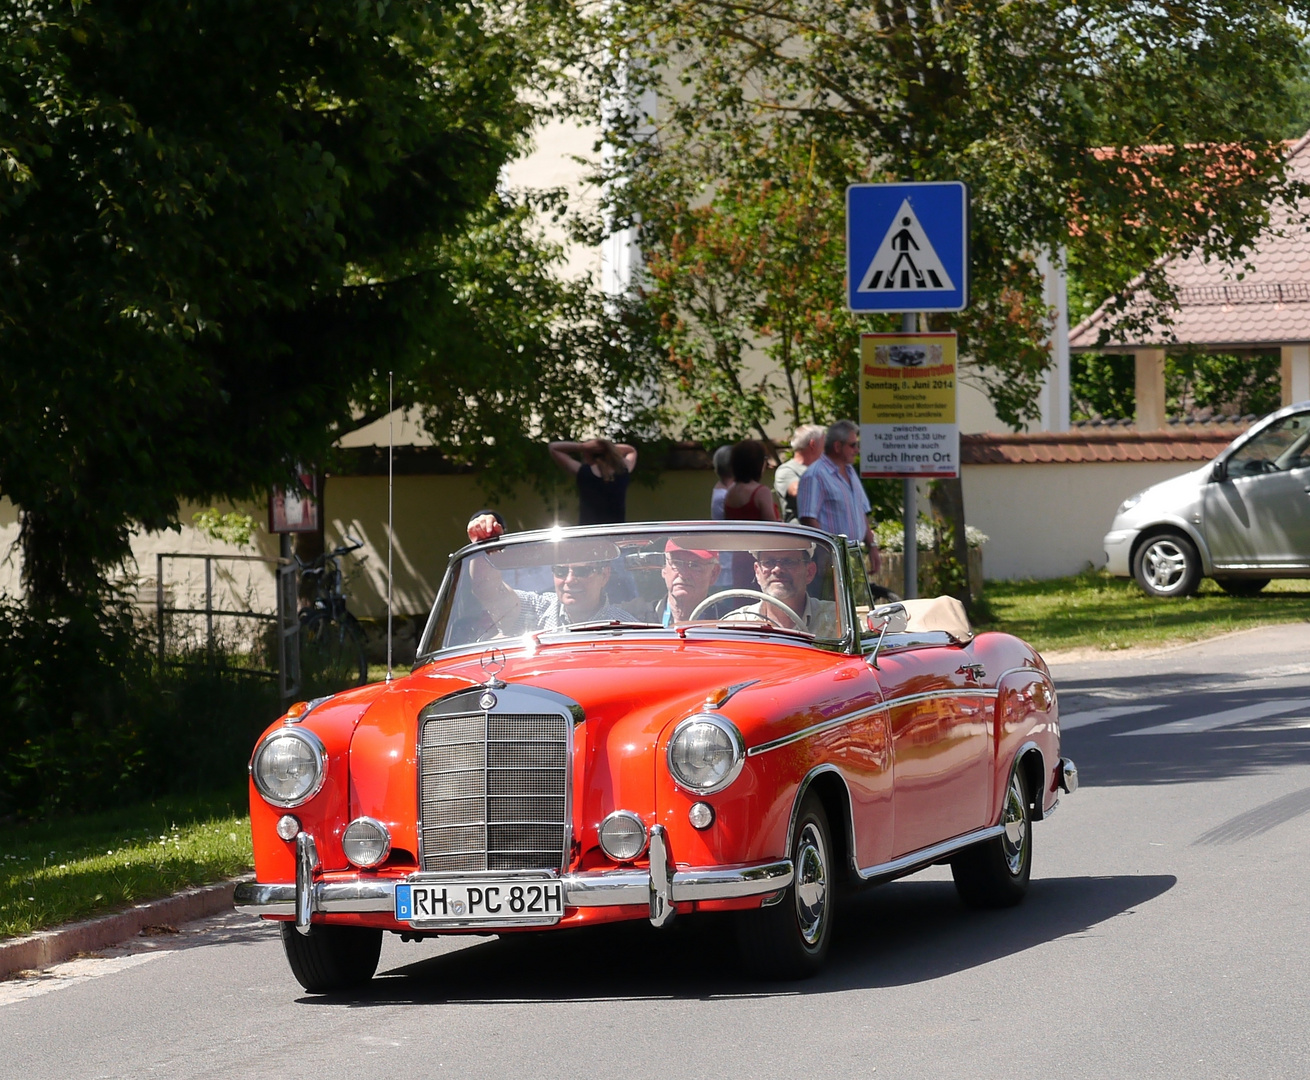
(1149, 370)
(1296, 373)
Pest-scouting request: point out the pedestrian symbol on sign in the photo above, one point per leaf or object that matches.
(905, 260)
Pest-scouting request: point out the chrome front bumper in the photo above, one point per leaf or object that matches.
(660, 889)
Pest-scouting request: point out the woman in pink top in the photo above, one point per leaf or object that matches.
(748, 500)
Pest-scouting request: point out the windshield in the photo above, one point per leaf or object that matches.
(755, 579)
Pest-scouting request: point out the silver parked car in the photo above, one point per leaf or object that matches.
(1242, 519)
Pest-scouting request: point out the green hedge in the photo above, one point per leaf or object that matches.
(89, 720)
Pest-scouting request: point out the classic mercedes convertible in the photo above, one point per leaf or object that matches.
(648, 722)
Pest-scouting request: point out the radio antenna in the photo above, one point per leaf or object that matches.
(391, 447)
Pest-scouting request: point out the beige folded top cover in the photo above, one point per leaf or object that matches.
(941, 613)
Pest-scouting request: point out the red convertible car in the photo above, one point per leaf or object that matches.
(650, 721)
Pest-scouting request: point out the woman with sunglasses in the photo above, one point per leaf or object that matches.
(579, 594)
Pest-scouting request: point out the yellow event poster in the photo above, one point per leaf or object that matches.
(907, 405)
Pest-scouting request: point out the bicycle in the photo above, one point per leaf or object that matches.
(331, 639)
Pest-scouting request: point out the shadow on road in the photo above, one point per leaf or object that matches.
(1106, 757)
(902, 933)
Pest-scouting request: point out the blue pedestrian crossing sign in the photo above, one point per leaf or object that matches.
(907, 247)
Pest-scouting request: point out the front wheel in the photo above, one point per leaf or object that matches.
(789, 939)
(995, 873)
(1167, 565)
(332, 958)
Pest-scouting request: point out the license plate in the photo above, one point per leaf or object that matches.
(480, 901)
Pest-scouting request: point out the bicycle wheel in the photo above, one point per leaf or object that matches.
(332, 652)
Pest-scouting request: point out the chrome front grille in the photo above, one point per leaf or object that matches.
(493, 791)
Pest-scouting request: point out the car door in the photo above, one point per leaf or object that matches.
(1258, 514)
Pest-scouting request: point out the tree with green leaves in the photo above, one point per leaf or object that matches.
(220, 224)
(1116, 132)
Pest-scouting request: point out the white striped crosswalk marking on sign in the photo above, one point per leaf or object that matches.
(906, 260)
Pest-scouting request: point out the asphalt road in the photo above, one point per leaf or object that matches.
(1165, 935)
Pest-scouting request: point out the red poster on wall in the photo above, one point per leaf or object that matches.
(294, 510)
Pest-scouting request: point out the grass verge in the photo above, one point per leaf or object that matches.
(1098, 611)
(76, 867)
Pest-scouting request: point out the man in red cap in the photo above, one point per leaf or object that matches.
(688, 574)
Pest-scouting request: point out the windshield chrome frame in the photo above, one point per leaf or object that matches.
(848, 643)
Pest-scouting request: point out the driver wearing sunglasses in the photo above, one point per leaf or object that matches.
(579, 594)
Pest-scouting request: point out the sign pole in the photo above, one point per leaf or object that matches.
(910, 547)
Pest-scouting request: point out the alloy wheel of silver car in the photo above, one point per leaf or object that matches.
(1015, 820)
(811, 884)
(1165, 563)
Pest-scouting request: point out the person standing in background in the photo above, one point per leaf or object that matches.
(723, 467)
(830, 496)
(747, 500)
(602, 476)
(806, 449)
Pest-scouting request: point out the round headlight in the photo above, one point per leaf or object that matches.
(289, 767)
(622, 836)
(706, 753)
(366, 842)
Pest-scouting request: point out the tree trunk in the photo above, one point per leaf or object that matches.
(947, 499)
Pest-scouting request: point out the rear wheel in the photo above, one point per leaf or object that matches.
(332, 958)
(995, 873)
(789, 939)
(1167, 565)
(332, 652)
(1237, 586)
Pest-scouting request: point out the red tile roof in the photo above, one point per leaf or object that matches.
(1176, 443)
(1270, 305)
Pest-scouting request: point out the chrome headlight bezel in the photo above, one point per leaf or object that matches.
(632, 819)
(379, 830)
(319, 756)
(735, 741)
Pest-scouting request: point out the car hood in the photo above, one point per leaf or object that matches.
(1172, 497)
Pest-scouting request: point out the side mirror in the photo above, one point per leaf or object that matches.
(890, 618)
(1219, 471)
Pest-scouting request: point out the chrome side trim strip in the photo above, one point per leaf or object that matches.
(604, 888)
(927, 855)
(860, 714)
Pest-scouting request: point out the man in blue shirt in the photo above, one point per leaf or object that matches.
(830, 496)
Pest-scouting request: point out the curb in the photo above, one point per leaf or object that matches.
(48, 947)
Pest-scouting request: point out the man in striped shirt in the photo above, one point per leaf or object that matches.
(830, 496)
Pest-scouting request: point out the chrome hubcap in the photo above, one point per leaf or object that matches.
(1165, 564)
(811, 884)
(1016, 827)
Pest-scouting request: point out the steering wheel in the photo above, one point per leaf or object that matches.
(797, 621)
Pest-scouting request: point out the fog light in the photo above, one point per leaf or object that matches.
(622, 836)
(366, 842)
(701, 815)
(287, 826)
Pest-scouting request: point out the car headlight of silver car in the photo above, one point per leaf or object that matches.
(289, 767)
(1129, 503)
(706, 753)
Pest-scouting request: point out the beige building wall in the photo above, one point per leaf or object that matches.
(1047, 520)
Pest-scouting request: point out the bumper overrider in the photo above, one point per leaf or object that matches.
(660, 889)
